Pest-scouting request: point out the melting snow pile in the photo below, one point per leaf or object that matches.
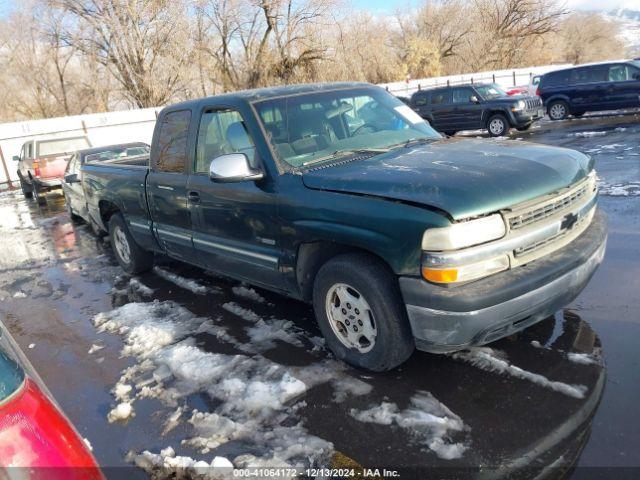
(182, 282)
(629, 189)
(589, 134)
(248, 293)
(254, 396)
(431, 422)
(584, 358)
(487, 359)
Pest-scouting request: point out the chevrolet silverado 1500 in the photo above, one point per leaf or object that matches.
(340, 195)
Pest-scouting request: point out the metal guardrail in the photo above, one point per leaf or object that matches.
(511, 78)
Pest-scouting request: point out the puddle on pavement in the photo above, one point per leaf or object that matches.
(485, 418)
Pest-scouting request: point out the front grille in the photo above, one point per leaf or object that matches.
(541, 212)
(533, 103)
(532, 247)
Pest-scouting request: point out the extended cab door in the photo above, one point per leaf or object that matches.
(235, 224)
(167, 184)
(442, 109)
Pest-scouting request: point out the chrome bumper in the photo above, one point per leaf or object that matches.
(442, 330)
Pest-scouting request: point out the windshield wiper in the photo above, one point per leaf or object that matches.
(413, 141)
(342, 153)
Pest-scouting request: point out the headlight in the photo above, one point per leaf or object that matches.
(464, 234)
(519, 106)
(465, 273)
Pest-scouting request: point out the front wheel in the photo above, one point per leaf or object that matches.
(360, 312)
(27, 190)
(37, 194)
(132, 258)
(498, 125)
(558, 110)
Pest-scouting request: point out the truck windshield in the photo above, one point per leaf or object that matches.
(310, 128)
(491, 91)
(61, 146)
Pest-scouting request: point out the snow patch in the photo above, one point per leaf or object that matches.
(169, 465)
(487, 359)
(588, 134)
(137, 286)
(186, 283)
(583, 358)
(94, 348)
(121, 412)
(431, 422)
(20, 294)
(248, 293)
(630, 189)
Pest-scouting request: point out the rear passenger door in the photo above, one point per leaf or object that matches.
(235, 224)
(442, 109)
(590, 90)
(167, 185)
(624, 83)
(466, 114)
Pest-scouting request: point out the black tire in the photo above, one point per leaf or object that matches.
(138, 260)
(27, 191)
(450, 133)
(578, 114)
(524, 128)
(558, 110)
(37, 194)
(498, 125)
(368, 277)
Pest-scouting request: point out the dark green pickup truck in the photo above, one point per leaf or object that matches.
(342, 196)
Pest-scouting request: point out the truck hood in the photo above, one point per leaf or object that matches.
(464, 178)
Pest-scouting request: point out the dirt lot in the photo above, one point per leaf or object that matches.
(184, 359)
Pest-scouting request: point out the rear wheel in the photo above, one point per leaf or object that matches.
(450, 133)
(360, 312)
(38, 194)
(27, 191)
(558, 110)
(132, 258)
(498, 125)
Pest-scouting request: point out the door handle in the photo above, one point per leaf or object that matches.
(193, 197)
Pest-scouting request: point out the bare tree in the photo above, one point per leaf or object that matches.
(140, 41)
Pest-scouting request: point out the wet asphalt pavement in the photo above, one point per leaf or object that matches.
(55, 277)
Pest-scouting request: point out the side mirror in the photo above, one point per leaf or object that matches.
(16, 158)
(474, 99)
(71, 178)
(233, 167)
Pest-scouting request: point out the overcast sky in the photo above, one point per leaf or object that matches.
(603, 4)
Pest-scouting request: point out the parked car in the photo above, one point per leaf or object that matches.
(477, 106)
(42, 163)
(518, 91)
(533, 85)
(130, 153)
(36, 439)
(399, 237)
(591, 88)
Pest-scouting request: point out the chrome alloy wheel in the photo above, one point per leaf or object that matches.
(558, 111)
(351, 318)
(121, 244)
(497, 126)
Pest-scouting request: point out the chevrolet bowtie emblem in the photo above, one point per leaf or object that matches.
(568, 221)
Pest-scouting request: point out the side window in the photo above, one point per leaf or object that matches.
(422, 98)
(172, 142)
(556, 79)
(29, 149)
(221, 132)
(462, 95)
(618, 73)
(589, 74)
(441, 97)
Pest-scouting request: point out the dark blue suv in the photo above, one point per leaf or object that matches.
(591, 88)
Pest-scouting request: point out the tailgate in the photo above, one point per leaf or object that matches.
(52, 167)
